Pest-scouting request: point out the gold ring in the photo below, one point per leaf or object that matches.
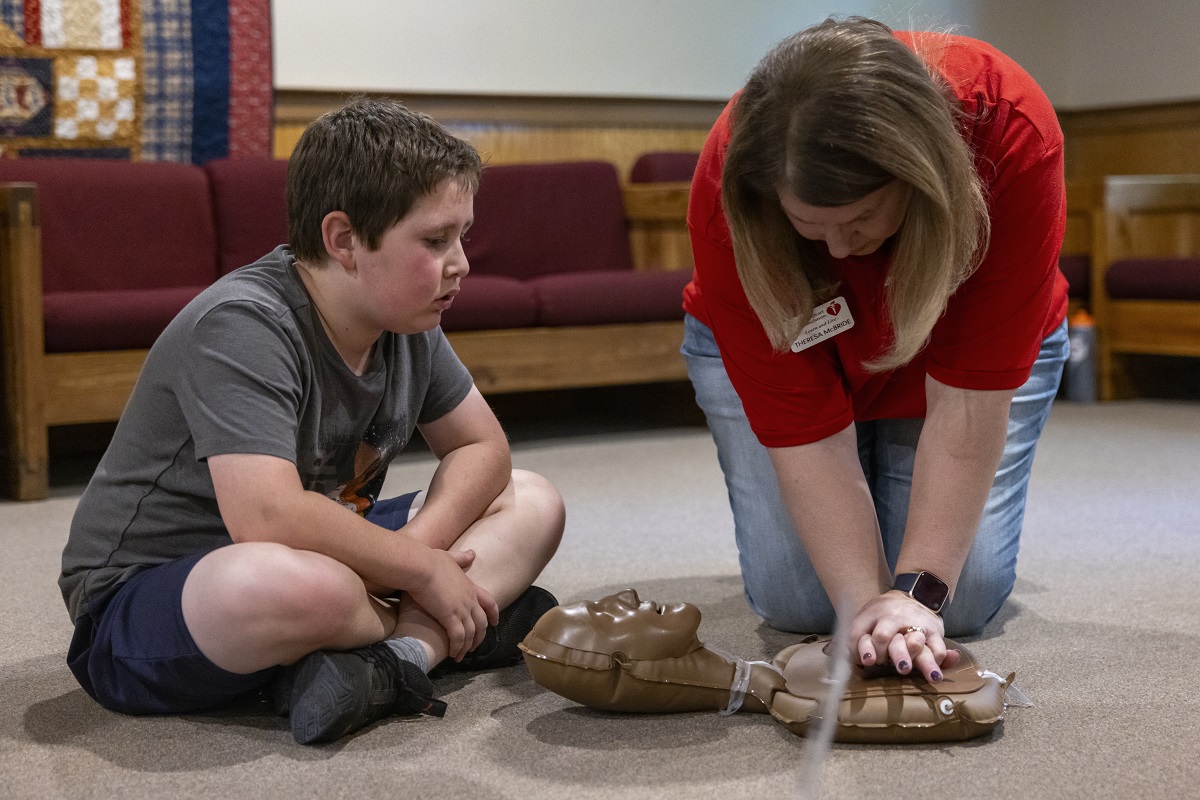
(911, 629)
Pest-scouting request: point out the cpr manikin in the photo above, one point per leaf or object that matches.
(621, 653)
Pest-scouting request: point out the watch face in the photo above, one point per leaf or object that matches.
(930, 591)
(926, 588)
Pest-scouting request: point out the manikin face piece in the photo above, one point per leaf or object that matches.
(642, 630)
(621, 653)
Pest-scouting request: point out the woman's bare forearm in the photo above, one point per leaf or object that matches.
(830, 505)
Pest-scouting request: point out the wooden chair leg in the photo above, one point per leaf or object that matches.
(25, 429)
(29, 477)
(1104, 368)
(22, 351)
(1119, 384)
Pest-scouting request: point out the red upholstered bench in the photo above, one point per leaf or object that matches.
(97, 256)
(559, 232)
(249, 207)
(1153, 279)
(1077, 269)
(664, 166)
(113, 276)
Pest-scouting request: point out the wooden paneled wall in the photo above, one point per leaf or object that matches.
(1155, 139)
(1084, 199)
(1137, 140)
(1152, 139)
(510, 130)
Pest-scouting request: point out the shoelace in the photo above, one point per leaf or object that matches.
(395, 684)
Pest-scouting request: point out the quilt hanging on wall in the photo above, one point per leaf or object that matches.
(160, 80)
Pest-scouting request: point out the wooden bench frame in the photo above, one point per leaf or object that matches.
(1085, 202)
(41, 389)
(1143, 216)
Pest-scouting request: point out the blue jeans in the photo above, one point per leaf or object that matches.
(780, 583)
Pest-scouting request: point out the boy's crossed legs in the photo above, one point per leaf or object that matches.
(252, 606)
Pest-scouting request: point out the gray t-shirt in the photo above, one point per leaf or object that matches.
(246, 368)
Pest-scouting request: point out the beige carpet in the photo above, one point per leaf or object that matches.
(1103, 632)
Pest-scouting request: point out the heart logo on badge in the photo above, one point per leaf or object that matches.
(833, 309)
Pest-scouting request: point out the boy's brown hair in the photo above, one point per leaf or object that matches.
(371, 159)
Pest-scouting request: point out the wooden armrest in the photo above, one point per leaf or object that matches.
(656, 202)
(1160, 194)
(21, 332)
(1150, 216)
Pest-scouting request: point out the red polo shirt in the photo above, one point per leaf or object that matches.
(994, 324)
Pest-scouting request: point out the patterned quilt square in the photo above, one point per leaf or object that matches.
(97, 97)
(26, 96)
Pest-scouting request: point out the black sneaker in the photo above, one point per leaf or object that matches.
(281, 689)
(336, 693)
(499, 645)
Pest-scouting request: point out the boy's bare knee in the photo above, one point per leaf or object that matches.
(528, 492)
(541, 498)
(269, 581)
(532, 487)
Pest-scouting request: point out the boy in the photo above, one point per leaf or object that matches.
(233, 528)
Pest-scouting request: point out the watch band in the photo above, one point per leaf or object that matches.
(926, 588)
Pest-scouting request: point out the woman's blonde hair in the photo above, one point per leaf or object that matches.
(834, 113)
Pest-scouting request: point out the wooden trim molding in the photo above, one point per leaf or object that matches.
(1131, 118)
(657, 202)
(532, 359)
(1132, 140)
(90, 387)
(298, 107)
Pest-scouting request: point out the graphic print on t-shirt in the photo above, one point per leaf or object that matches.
(380, 443)
(361, 492)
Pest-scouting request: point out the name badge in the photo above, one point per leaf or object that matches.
(829, 319)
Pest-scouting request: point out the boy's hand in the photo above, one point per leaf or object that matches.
(459, 605)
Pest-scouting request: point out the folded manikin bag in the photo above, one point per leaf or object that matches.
(879, 705)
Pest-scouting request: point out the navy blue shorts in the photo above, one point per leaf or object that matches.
(135, 655)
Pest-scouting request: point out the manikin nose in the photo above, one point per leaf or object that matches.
(629, 597)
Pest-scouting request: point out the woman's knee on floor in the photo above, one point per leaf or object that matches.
(975, 605)
(792, 613)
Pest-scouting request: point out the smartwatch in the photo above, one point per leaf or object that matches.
(926, 588)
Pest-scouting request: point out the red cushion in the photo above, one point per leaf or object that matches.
(664, 166)
(121, 320)
(597, 298)
(120, 225)
(544, 219)
(487, 301)
(1154, 279)
(250, 206)
(1077, 269)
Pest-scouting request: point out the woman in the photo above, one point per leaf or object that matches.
(876, 329)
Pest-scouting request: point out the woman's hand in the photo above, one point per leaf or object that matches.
(894, 627)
